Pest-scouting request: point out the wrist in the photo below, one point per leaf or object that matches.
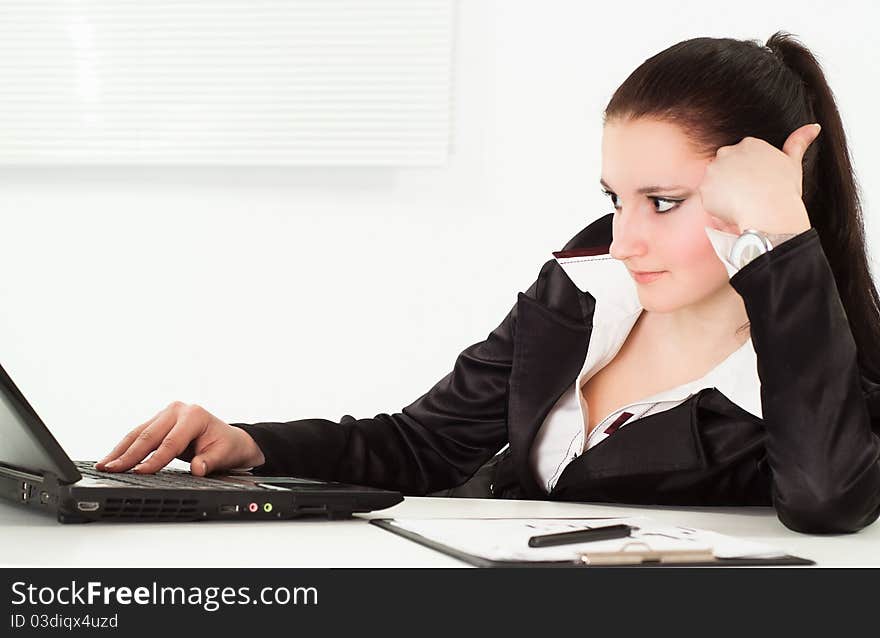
(791, 220)
(253, 455)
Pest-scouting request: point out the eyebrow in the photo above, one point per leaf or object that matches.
(650, 189)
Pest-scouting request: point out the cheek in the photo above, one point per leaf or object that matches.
(694, 272)
(690, 253)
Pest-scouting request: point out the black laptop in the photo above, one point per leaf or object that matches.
(36, 472)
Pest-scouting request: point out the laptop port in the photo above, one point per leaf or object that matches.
(228, 509)
(87, 506)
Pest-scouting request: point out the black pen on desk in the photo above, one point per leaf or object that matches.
(581, 536)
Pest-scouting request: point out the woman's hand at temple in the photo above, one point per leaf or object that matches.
(753, 184)
(187, 432)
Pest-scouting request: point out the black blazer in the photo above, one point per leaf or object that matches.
(814, 456)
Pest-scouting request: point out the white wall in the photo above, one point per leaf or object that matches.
(291, 293)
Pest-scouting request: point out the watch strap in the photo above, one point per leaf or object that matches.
(759, 243)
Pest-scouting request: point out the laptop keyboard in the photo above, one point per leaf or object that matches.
(166, 478)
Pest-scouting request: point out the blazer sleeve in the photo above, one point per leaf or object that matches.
(436, 442)
(822, 417)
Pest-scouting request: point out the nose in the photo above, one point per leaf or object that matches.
(631, 234)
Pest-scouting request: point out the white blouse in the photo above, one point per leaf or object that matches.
(560, 438)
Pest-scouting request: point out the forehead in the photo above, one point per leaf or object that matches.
(647, 151)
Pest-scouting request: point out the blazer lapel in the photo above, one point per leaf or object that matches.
(549, 350)
(668, 441)
(550, 347)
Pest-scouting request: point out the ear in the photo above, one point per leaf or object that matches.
(799, 141)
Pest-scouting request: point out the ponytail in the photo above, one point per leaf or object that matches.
(831, 196)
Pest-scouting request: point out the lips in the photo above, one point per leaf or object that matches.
(646, 276)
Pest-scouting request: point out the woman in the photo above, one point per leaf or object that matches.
(665, 355)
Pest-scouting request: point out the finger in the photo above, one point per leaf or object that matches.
(191, 424)
(123, 445)
(210, 459)
(144, 443)
(799, 141)
(126, 442)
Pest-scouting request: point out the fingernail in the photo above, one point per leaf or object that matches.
(818, 127)
(137, 467)
(112, 463)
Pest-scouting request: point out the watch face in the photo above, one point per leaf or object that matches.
(748, 246)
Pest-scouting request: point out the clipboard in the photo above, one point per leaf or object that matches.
(636, 554)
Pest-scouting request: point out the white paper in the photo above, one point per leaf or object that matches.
(507, 539)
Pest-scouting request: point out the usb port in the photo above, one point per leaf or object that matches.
(229, 509)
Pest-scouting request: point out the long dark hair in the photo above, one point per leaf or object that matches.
(720, 90)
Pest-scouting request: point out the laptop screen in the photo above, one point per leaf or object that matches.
(25, 442)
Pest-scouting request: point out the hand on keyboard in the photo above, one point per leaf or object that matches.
(187, 432)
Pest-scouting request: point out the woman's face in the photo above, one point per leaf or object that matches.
(652, 172)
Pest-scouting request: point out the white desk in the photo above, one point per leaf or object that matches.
(32, 539)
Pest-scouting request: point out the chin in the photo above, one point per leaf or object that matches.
(655, 303)
(661, 309)
(663, 301)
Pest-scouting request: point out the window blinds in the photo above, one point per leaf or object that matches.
(225, 82)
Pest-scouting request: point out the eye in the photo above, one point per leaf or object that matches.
(663, 204)
(613, 198)
(659, 201)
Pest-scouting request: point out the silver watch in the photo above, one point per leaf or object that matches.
(754, 243)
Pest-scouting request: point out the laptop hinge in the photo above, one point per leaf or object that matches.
(47, 478)
(30, 476)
